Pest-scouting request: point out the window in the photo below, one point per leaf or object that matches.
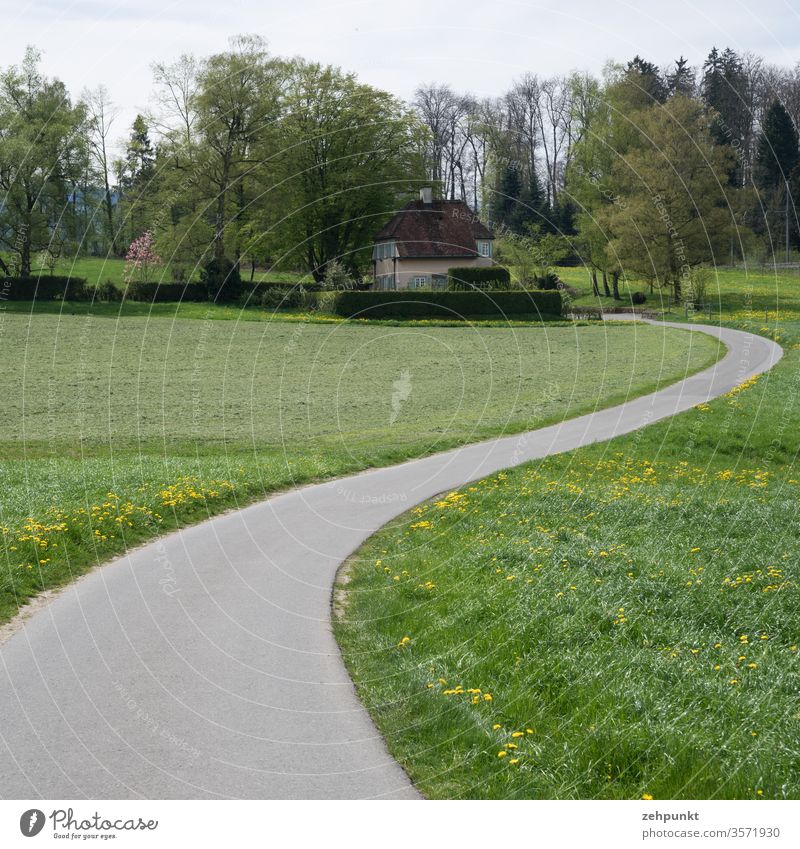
(419, 282)
(439, 281)
(485, 248)
(383, 250)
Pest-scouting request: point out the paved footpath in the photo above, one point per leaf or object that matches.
(203, 664)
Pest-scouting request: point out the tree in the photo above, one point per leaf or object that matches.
(349, 153)
(238, 97)
(135, 172)
(646, 76)
(517, 203)
(141, 258)
(137, 166)
(609, 133)
(778, 151)
(101, 116)
(725, 91)
(43, 158)
(218, 125)
(681, 79)
(441, 110)
(672, 212)
(531, 256)
(775, 170)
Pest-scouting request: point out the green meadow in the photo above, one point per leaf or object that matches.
(116, 428)
(618, 622)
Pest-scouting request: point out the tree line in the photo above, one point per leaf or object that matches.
(248, 159)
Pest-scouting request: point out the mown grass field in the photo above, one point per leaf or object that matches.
(115, 429)
(618, 622)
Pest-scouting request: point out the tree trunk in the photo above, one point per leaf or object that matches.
(605, 284)
(615, 285)
(219, 218)
(112, 232)
(595, 287)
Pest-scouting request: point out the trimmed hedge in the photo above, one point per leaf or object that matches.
(477, 277)
(160, 292)
(43, 288)
(455, 305)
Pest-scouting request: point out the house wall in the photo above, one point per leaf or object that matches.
(408, 269)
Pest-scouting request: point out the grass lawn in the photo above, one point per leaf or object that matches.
(115, 429)
(733, 293)
(101, 269)
(618, 622)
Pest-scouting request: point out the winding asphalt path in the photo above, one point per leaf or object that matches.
(203, 665)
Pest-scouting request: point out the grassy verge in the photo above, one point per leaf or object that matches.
(617, 622)
(115, 430)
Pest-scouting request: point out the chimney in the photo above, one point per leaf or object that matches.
(426, 195)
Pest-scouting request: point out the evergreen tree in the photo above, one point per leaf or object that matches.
(135, 181)
(681, 80)
(648, 78)
(778, 151)
(531, 207)
(776, 176)
(140, 157)
(725, 91)
(505, 202)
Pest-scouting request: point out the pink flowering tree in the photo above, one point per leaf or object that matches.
(141, 258)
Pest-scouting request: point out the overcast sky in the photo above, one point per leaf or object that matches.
(396, 44)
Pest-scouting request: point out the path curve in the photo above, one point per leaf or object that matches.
(203, 664)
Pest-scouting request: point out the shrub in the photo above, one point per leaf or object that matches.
(106, 292)
(547, 282)
(280, 297)
(48, 288)
(638, 298)
(478, 277)
(694, 292)
(161, 292)
(325, 301)
(455, 305)
(336, 278)
(310, 301)
(222, 280)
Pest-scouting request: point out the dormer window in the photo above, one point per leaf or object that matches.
(384, 250)
(484, 247)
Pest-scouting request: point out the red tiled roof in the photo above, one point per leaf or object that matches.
(443, 228)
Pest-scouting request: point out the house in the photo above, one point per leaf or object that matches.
(426, 238)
